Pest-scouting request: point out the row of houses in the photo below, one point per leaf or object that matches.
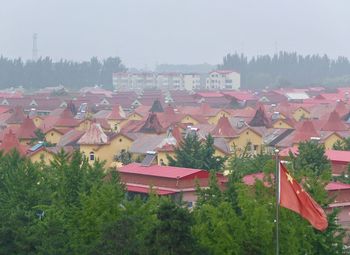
(239, 121)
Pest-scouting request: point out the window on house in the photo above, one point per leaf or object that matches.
(255, 147)
(120, 140)
(52, 134)
(92, 156)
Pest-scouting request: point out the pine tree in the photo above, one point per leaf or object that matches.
(193, 153)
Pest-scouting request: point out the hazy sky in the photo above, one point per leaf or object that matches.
(146, 32)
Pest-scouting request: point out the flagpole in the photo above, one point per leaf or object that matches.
(277, 183)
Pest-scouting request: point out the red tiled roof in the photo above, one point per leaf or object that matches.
(332, 155)
(306, 131)
(241, 95)
(167, 148)
(66, 119)
(337, 186)
(341, 108)
(340, 156)
(209, 94)
(17, 116)
(94, 136)
(164, 171)
(26, 130)
(115, 114)
(251, 178)
(334, 123)
(224, 128)
(10, 142)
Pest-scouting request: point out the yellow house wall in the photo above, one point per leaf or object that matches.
(25, 141)
(281, 124)
(244, 138)
(53, 137)
(84, 125)
(134, 116)
(300, 113)
(162, 156)
(47, 157)
(282, 116)
(113, 123)
(37, 121)
(108, 151)
(331, 140)
(189, 119)
(215, 119)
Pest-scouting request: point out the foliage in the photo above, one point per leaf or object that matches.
(287, 69)
(342, 145)
(243, 163)
(172, 233)
(72, 207)
(124, 157)
(192, 153)
(44, 72)
(311, 157)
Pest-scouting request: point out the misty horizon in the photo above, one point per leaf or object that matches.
(169, 32)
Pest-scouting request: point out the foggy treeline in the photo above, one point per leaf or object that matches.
(45, 72)
(288, 69)
(281, 70)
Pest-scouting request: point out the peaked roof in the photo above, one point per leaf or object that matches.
(334, 123)
(157, 106)
(27, 129)
(17, 116)
(152, 124)
(116, 113)
(177, 134)
(66, 119)
(260, 119)
(223, 128)
(94, 136)
(305, 131)
(10, 142)
(169, 110)
(341, 108)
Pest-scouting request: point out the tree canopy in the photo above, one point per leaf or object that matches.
(45, 72)
(288, 69)
(72, 207)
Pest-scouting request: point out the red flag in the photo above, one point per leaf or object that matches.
(295, 198)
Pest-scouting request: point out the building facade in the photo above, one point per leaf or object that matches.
(223, 80)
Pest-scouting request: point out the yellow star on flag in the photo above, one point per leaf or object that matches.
(290, 178)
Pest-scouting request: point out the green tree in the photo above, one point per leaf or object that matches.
(172, 233)
(192, 153)
(342, 145)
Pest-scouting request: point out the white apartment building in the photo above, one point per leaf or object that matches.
(170, 81)
(192, 81)
(129, 81)
(223, 79)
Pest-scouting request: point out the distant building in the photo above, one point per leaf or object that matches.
(220, 79)
(170, 81)
(130, 81)
(192, 81)
(223, 80)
